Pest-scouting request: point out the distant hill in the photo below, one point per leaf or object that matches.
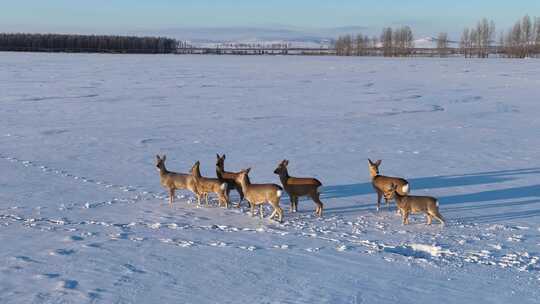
(429, 42)
(312, 37)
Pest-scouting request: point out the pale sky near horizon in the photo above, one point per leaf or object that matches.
(426, 16)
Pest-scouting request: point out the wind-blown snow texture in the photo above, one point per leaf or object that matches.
(84, 219)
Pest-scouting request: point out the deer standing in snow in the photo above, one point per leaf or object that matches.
(258, 194)
(381, 183)
(299, 186)
(172, 180)
(228, 177)
(206, 185)
(408, 204)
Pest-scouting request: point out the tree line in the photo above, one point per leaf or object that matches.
(392, 43)
(86, 43)
(477, 41)
(521, 41)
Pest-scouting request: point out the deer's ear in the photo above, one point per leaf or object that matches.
(157, 157)
(378, 162)
(369, 161)
(286, 162)
(217, 155)
(223, 156)
(247, 170)
(163, 157)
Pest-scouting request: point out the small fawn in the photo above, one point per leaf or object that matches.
(299, 186)
(408, 204)
(228, 177)
(172, 180)
(381, 183)
(205, 185)
(258, 194)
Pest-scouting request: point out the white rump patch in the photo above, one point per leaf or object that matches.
(437, 203)
(405, 188)
(279, 192)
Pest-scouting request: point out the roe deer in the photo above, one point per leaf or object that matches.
(172, 180)
(207, 185)
(381, 183)
(228, 177)
(258, 194)
(299, 186)
(408, 204)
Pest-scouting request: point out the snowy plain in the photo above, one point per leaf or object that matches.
(83, 218)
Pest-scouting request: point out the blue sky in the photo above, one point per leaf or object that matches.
(425, 16)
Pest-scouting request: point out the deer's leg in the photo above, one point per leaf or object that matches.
(273, 213)
(439, 217)
(291, 198)
(277, 209)
(279, 212)
(226, 198)
(171, 196)
(221, 201)
(428, 218)
(316, 198)
(261, 211)
(406, 218)
(387, 202)
(403, 217)
(379, 196)
(241, 194)
(252, 207)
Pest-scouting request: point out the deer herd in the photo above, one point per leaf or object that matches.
(391, 188)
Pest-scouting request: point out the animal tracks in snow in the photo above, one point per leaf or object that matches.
(459, 244)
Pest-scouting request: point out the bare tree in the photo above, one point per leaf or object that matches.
(465, 42)
(442, 44)
(348, 43)
(478, 41)
(409, 39)
(387, 43)
(515, 41)
(473, 36)
(537, 36)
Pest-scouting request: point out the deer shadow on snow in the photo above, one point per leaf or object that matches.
(527, 195)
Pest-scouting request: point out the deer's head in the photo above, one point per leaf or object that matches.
(160, 162)
(390, 192)
(195, 168)
(374, 167)
(220, 161)
(243, 176)
(282, 167)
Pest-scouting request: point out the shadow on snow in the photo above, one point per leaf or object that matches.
(481, 178)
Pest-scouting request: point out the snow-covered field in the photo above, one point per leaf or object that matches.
(83, 218)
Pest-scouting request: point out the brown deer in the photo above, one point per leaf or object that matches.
(258, 194)
(299, 186)
(172, 180)
(381, 183)
(206, 185)
(228, 177)
(408, 204)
